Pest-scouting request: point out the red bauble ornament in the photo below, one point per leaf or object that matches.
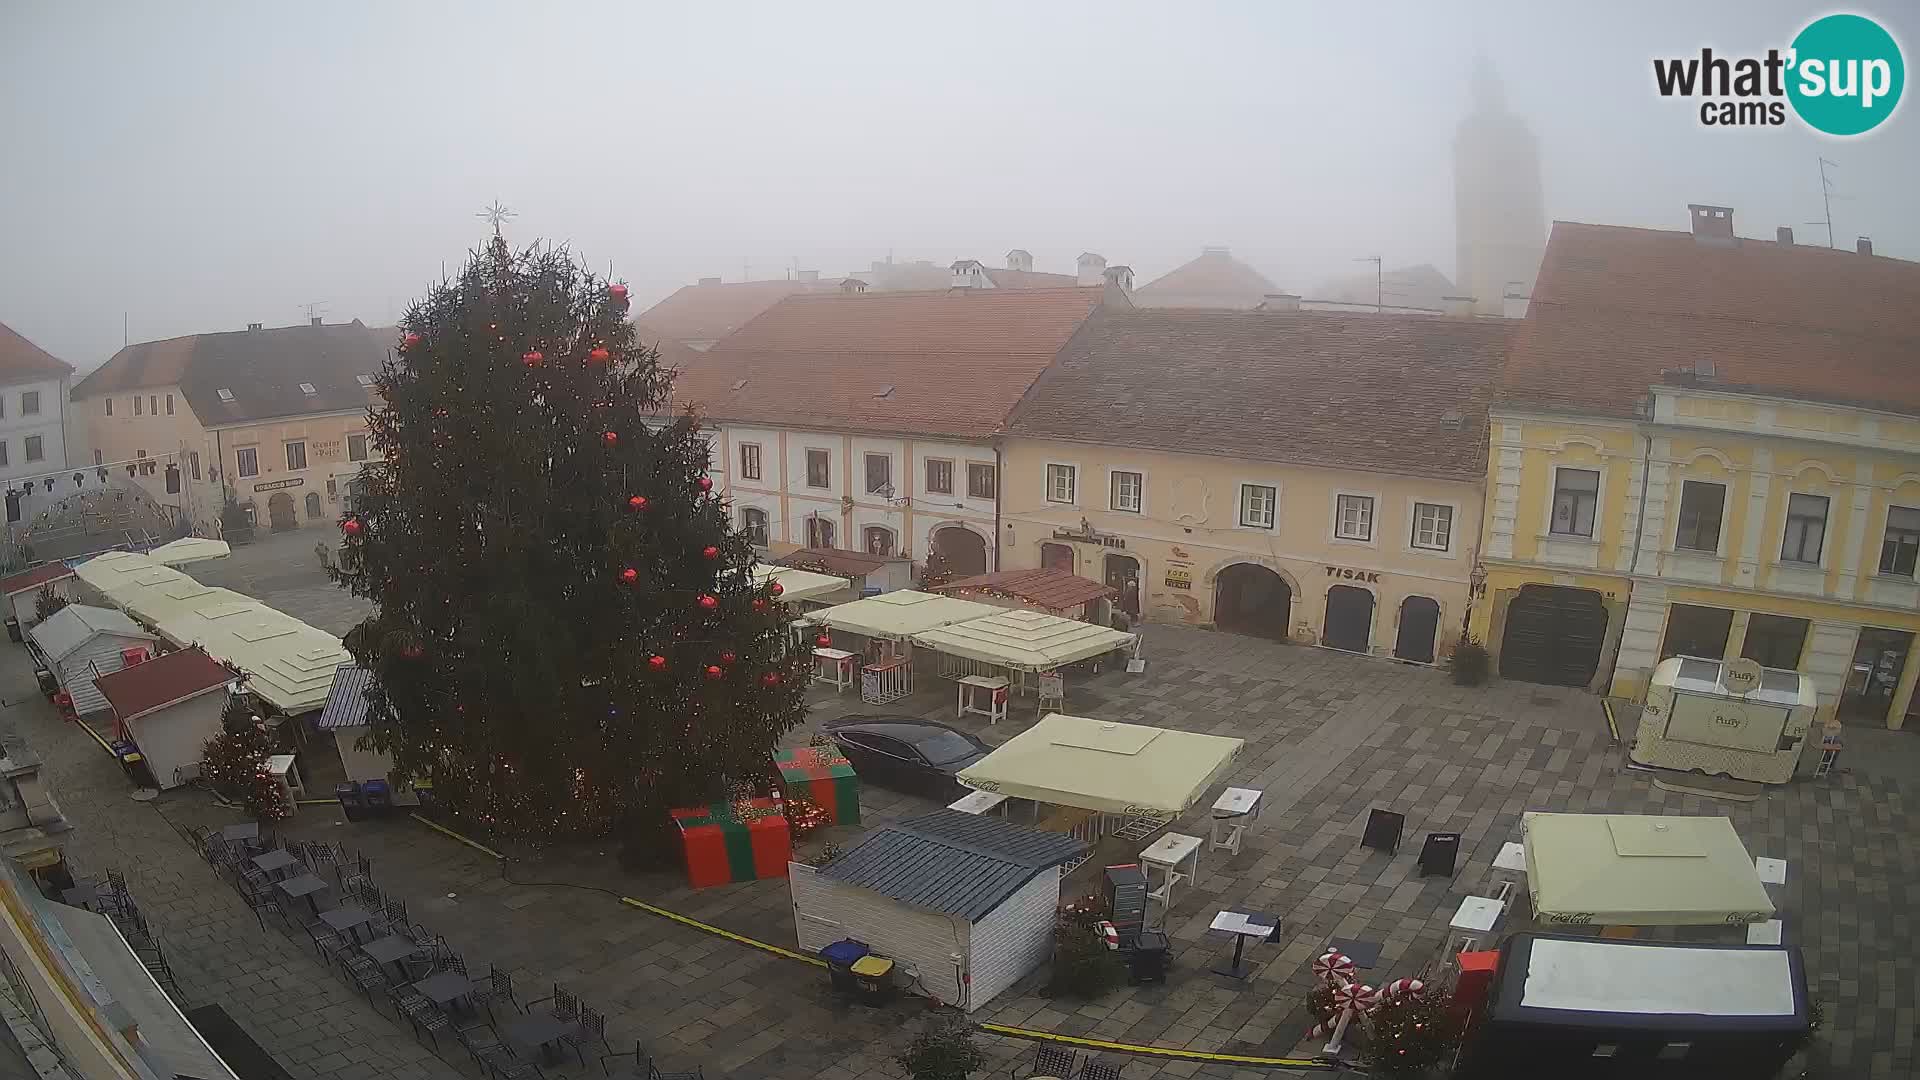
(618, 292)
(657, 663)
(629, 575)
(705, 483)
(352, 527)
(638, 502)
(709, 552)
(534, 358)
(776, 588)
(771, 678)
(709, 602)
(759, 603)
(727, 658)
(611, 437)
(413, 652)
(599, 354)
(714, 672)
(410, 340)
(823, 641)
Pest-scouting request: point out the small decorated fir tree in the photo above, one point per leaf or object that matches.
(1412, 1033)
(234, 762)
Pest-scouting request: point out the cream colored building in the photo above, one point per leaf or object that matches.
(1311, 476)
(278, 418)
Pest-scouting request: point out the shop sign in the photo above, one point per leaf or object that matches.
(326, 448)
(1086, 534)
(276, 485)
(1179, 579)
(1370, 577)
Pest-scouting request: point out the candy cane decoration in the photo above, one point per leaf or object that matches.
(1351, 999)
(1333, 966)
(1400, 988)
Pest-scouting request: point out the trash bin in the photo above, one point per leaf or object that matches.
(134, 764)
(13, 630)
(1147, 960)
(379, 798)
(49, 683)
(873, 980)
(840, 957)
(352, 803)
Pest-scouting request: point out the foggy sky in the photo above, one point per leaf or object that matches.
(201, 166)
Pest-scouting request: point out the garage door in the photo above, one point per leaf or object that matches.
(1553, 636)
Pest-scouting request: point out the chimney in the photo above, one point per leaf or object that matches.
(1020, 259)
(809, 277)
(709, 281)
(1864, 245)
(1280, 301)
(313, 320)
(1457, 307)
(1514, 304)
(253, 326)
(1783, 236)
(1120, 277)
(1093, 268)
(1712, 224)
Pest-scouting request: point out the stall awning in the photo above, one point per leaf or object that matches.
(796, 584)
(1624, 870)
(1105, 766)
(119, 574)
(899, 614)
(188, 550)
(289, 664)
(1047, 588)
(1028, 640)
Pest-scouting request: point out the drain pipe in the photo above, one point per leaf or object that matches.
(998, 486)
(1639, 523)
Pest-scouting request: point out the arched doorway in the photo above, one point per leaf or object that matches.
(962, 549)
(1419, 619)
(1251, 599)
(1553, 636)
(1123, 576)
(280, 512)
(313, 504)
(1056, 557)
(1349, 619)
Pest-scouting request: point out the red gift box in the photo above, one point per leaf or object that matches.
(727, 842)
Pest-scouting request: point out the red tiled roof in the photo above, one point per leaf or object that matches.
(261, 369)
(1615, 307)
(34, 578)
(1046, 587)
(710, 312)
(161, 681)
(1328, 388)
(956, 360)
(21, 360)
(847, 564)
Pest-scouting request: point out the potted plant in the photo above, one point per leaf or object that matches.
(943, 1050)
(1470, 662)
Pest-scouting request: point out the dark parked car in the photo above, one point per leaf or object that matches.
(906, 753)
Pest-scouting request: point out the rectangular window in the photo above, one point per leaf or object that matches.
(357, 447)
(296, 455)
(1701, 505)
(36, 448)
(1257, 504)
(99, 458)
(1060, 482)
(1697, 631)
(140, 454)
(30, 403)
(248, 460)
(819, 532)
(753, 523)
(982, 481)
(819, 469)
(939, 476)
(109, 406)
(1806, 529)
(138, 406)
(879, 475)
(193, 461)
(169, 404)
(153, 404)
(1353, 517)
(1775, 641)
(1125, 490)
(3, 452)
(1902, 543)
(749, 461)
(1576, 493)
(1432, 526)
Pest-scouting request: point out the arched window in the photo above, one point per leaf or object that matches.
(753, 522)
(878, 540)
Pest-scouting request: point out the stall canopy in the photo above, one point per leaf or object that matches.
(797, 584)
(289, 664)
(1047, 588)
(899, 614)
(188, 550)
(120, 575)
(1028, 640)
(1622, 870)
(1105, 766)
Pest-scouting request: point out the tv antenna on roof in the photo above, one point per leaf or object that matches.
(1379, 283)
(495, 214)
(314, 307)
(1826, 198)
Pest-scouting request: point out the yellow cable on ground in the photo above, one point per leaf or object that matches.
(443, 830)
(1613, 726)
(88, 728)
(1153, 1051)
(728, 934)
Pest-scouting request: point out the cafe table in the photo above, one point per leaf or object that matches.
(305, 885)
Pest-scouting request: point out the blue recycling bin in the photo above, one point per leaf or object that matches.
(379, 797)
(840, 957)
(352, 802)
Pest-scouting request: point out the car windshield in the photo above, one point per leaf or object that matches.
(941, 747)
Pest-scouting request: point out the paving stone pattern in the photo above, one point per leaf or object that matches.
(1329, 737)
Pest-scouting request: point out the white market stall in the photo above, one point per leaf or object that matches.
(1735, 719)
(1103, 777)
(169, 707)
(189, 550)
(888, 622)
(963, 905)
(289, 664)
(80, 643)
(117, 577)
(344, 717)
(1628, 870)
(21, 594)
(1027, 645)
(797, 586)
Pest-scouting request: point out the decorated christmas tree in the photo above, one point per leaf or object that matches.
(567, 636)
(234, 762)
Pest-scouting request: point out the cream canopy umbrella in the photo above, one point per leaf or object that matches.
(1024, 639)
(1624, 870)
(796, 584)
(1105, 766)
(899, 615)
